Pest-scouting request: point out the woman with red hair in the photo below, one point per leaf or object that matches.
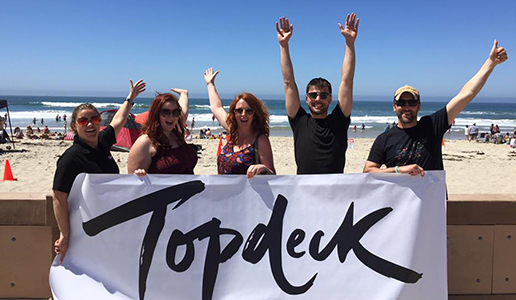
(248, 150)
(162, 149)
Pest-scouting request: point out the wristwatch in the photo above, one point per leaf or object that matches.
(131, 101)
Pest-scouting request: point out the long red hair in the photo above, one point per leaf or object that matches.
(260, 117)
(152, 127)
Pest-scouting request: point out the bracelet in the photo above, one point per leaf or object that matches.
(396, 170)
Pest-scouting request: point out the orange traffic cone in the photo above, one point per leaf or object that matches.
(8, 173)
(220, 146)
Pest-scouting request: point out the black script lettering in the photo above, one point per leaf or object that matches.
(156, 203)
(348, 237)
(264, 238)
(296, 237)
(213, 258)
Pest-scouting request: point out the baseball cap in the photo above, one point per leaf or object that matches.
(406, 89)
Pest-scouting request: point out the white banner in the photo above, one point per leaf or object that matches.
(347, 236)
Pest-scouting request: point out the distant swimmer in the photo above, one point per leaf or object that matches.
(415, 146)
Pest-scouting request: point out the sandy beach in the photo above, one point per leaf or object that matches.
(471, 168)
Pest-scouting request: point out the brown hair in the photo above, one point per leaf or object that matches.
(260, 118)
(76, 112)
(152, 127)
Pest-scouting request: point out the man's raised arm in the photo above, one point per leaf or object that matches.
(350, 32)
(292, 103)
(475, 84)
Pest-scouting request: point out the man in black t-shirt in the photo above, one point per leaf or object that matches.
(320, 140)
(415, 146)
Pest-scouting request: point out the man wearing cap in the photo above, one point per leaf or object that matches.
(415, 146)
(320, 139)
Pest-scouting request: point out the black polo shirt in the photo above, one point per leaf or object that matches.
(81, 158)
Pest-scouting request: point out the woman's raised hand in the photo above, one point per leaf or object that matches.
(136, 89)
(209, 76)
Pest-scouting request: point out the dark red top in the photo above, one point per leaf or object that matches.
(180, 160)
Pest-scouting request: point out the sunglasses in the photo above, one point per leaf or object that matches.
(322, 95)
(402, 103)
(167, 112)
(85, 121)
(248, 111)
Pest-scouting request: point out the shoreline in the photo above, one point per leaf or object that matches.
(471, 167)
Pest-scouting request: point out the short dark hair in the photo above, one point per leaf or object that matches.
(320, 83)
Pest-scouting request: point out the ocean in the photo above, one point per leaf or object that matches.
(374, 112)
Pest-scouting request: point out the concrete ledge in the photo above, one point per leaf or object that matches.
(24, 209)
(482, 297)
(481, 210)
(473, 214)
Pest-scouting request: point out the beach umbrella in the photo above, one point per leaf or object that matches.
(69, 136)
(3, 103)
(141, 118)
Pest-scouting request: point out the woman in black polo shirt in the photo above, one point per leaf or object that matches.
(88, 154)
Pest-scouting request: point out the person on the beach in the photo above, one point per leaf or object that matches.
(415, 146)
(467, 133)
(88, 154)
(473, 132)
(248, 150)
(4, 136)
(320, 139)
(162, 148)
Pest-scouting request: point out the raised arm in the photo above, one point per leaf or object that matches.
(292, 103)
(183, 102)
(215, 103)
(350, 32)
(497, 56)
(120, 117)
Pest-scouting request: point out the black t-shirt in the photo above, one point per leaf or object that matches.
(419, 145)
(320, 144)
(81, 158)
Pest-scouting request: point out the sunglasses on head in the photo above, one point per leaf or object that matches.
(322, 95)
(248, 111)
(84, 121)
(402, 103)
(167, 112)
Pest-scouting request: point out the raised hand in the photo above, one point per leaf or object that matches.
(209, 76)
(136, 89)
(179, 91)
(350, 31)
(284, 29)
(498, 55)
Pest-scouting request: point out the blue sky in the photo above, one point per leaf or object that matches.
(92, 48)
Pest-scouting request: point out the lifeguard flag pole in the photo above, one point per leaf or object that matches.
(3, 103)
